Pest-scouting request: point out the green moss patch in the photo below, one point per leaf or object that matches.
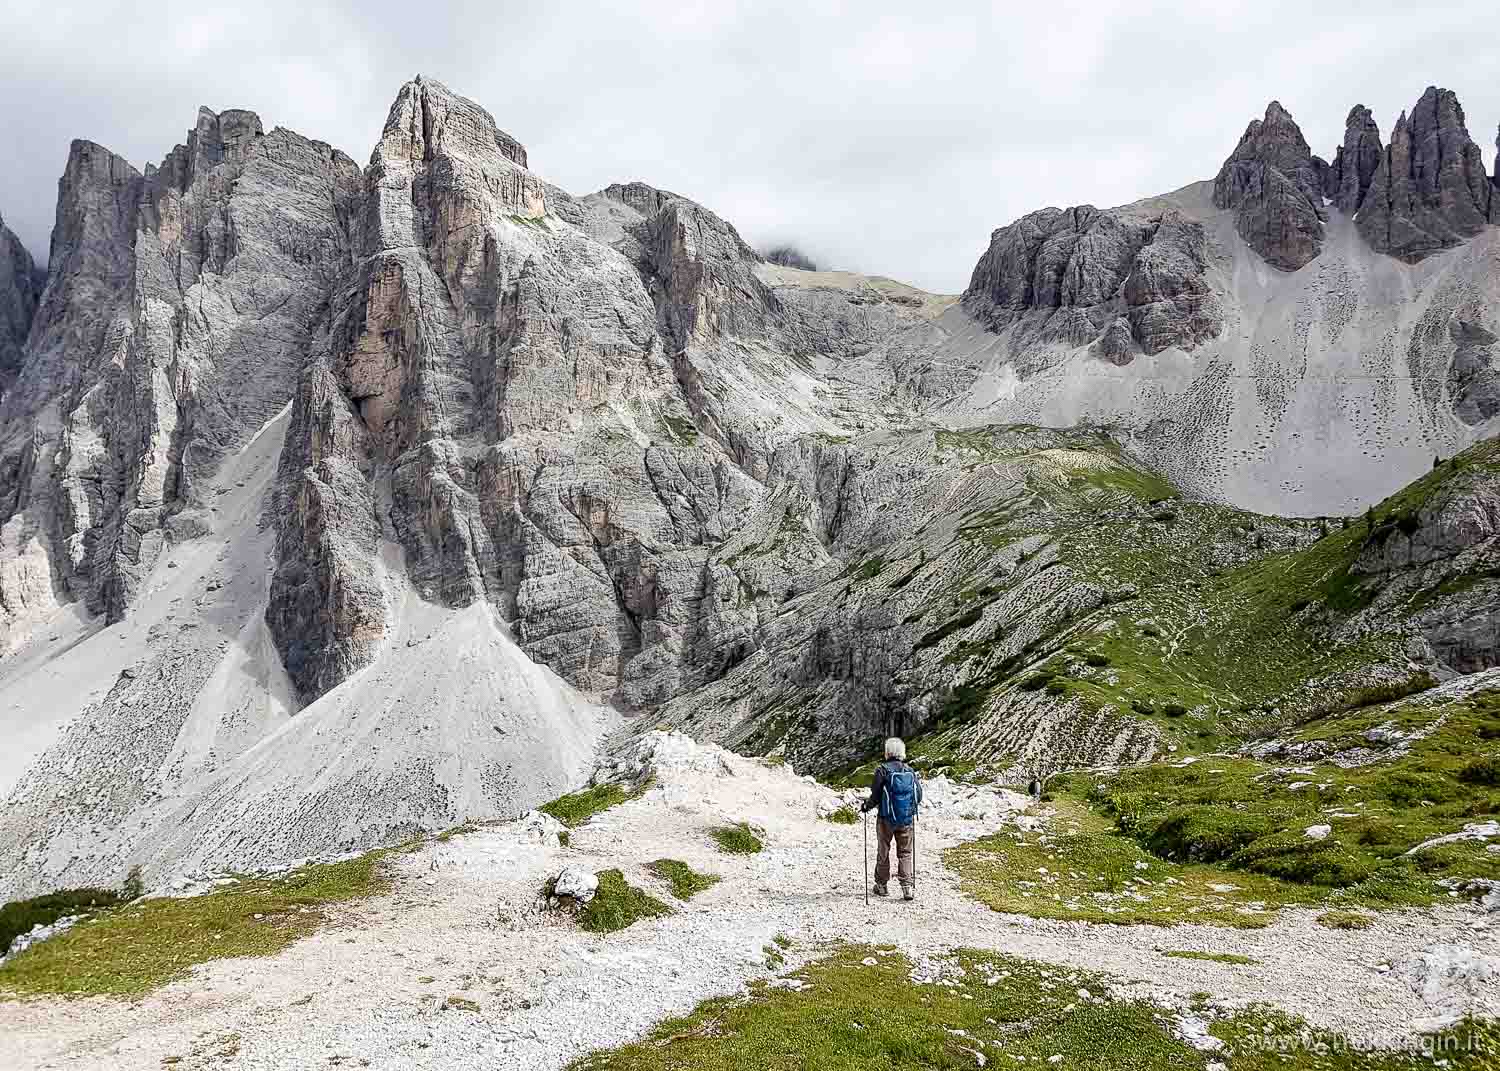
(685, 881)
(136, 948)
(618, 904)
(1345, 920)
(738, 839)
(1210, 957)
(1082, 870)
(578, 807)
(682, 430)
(860, 1009)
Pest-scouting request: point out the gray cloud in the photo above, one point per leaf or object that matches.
(881, 137)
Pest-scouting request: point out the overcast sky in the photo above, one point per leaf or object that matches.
(887, 138)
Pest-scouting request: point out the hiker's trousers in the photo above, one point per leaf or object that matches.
(906, 848)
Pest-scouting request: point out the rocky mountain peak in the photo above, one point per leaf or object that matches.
(215, 138)
(1430, 191)
(1272, 182)
(428, 119)
(1348, 178)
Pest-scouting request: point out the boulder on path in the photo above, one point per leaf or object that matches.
(576, 884)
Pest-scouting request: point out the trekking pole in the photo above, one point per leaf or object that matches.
(865, 821)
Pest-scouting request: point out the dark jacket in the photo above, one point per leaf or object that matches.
(882, 776)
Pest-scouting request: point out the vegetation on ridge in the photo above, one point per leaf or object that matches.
(1227, 839)
(137, 947)
(20, 917)
(575, 808)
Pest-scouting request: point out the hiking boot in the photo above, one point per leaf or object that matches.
(878, 890)
(908, 893)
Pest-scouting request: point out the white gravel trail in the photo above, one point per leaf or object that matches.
(464, 913)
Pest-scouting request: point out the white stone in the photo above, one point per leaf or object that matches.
(577, 883)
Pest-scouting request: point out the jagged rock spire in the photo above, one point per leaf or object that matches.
(1273, 184)
(1430, 191)
(1355, 162)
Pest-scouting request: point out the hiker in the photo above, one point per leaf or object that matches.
(897, 792)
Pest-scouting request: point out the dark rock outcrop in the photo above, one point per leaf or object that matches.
(1430, 191)
(20, 291)
(1272, 183)
(1473, 381)
(1348, 178)
(1069, 275)
(1441, 557)
(1168, 299)
(1495, 185)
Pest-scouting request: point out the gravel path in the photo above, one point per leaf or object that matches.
(463, 920)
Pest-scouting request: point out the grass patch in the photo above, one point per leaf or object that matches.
(1345, 920)
(1211, 957)
(578, 807)
(861, 1009)
(457, 831)
(618, 904)
(20, 917)
(685, 881)
(136, 948)
(1080, 869)
(844, 816)
(738, 839)
(1225, 839)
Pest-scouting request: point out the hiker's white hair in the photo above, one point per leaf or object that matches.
(895, 748)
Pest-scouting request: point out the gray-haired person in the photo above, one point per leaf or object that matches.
(897, 792)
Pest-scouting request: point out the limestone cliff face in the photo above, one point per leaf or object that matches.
(174, 325)
(1425, 192)
(55, 471)
(531, 395)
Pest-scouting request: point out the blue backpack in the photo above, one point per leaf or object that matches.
(899, 807)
